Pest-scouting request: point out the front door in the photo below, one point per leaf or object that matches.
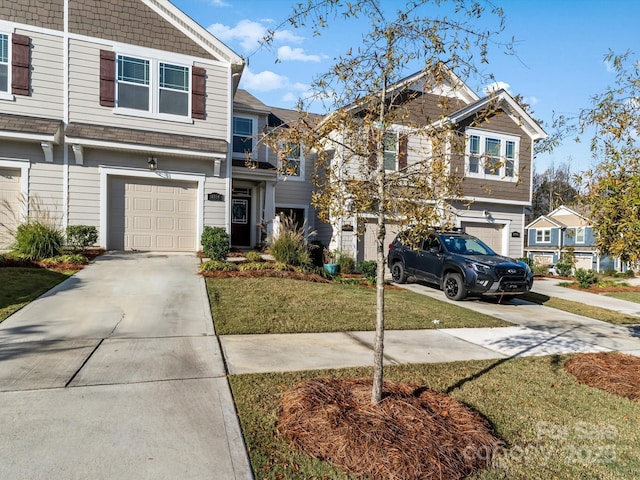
(241, 221)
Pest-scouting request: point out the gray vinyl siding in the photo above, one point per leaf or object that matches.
(47, 79)
(215, 214)
(84, 105)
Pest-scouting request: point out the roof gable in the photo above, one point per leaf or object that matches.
(569, 217)
(543, 221)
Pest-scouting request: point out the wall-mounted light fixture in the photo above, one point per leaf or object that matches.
(153, 163)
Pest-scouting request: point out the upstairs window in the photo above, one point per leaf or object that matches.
(4, 63)
(491, 156)
(147, 85)
(291, 161)
(390, 151)
(242, 135)
(580, 234)
(543, 235)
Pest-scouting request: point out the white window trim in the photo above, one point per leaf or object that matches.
(547, 230)
(293, 178)
(8, 95)
(154, 90)
(504, 138)
(105, 172)
(584, 235)
(254, 129)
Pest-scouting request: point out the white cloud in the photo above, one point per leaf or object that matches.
(286, 53)
(495, 86)
(531, 100)
(219, 3)
(264, 81)
(249, 34)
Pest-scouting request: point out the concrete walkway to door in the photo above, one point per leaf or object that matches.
(117, 373)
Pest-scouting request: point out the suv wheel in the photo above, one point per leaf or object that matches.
(453, 287)
(397, 273)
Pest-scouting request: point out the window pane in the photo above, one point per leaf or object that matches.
(509, 168)
(174, 77)
(4, 48)
(510, 149)
(175, 103)
(293, 151)
(242, 144)
(492, 147)
(474, 144)
(474, 164)
(4, 78)
(242, 126)
(133, 96)
(389, 160)
(492, 166)
(133, 70)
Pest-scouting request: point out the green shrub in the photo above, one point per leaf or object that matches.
(347, 264)
(215, 243)
(253, 256)
(540, 269)
(255, 266)
(291, 245)
(586, 278)
(610, 272)
(73, 259)
(80, 237)
(629, 273)
(37, 240)
(217, 265)
(527, 260)
(369, 269)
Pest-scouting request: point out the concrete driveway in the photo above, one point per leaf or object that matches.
(117, 373)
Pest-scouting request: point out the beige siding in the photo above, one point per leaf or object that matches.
(47, 85)
(84, 105)
(10, 204)
(215, 212)
(571, 220)
(542, 223)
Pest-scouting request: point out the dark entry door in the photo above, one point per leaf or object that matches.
(241, 221)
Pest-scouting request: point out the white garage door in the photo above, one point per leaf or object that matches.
(10, 205)
(584, 261)
(151, 215)
(489, 233)
(368, 240)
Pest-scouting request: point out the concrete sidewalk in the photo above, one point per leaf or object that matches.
(537, 330)
(117, 374)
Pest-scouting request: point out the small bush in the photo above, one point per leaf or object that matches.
(37, 240)
(527, 260)
(610, 272)
(347, 264)
(291, 245)
(217, 265)
(369, 269)
(255, 266)
(542, 269)
(215, 243)
(72, 259)
(253, 256)
(80, 237)
(564, 269)
(586, 278)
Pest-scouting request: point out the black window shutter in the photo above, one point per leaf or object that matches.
(20, 64)
(107, 78)
(198, 92)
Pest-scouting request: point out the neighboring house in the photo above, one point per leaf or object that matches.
(548, 235)
(117, 114)
(493, 201)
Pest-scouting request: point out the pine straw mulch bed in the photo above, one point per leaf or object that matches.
(414, 433)
(612, 372)
(90, 255)
(310, 277)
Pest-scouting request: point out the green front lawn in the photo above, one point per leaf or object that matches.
(553, 427)
(22, 285)
(629, 296)
(280, 305)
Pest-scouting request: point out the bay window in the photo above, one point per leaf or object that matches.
(491, 155)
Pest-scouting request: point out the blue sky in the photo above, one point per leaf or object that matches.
(560, 46)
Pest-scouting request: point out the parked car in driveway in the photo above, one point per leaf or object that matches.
(458, 263)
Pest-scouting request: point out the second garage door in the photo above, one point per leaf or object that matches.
(369, 239)
(489, 233)
(151, 215)
(10, 205)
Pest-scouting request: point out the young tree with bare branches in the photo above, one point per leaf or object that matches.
(385, 149)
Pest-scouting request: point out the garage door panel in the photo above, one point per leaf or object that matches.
(9, 195)
(370, 239)
(491, 234)
(152, 214)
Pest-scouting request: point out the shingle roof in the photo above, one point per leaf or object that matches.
(145, 137)
(243, 100)
(29, 125)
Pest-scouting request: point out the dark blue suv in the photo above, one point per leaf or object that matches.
(458, 263)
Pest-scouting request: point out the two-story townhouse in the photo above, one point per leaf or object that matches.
(563, 228)
(496, 165)
(117, 114)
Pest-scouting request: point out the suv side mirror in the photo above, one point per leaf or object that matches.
(434, 250)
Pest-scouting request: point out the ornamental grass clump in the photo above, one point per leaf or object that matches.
(413, 434)
(36, 240)
(290, 245)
